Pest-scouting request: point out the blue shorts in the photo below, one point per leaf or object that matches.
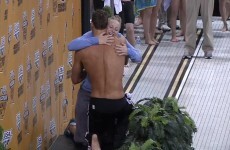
(142, 4)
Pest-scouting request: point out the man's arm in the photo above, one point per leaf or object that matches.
(78, 72)
(88, 39)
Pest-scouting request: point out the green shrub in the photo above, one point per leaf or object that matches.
(108, 10)
(159, 124)
(1, 135)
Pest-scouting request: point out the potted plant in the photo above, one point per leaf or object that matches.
(159, 124)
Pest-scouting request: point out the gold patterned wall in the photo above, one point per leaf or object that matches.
(36, 92)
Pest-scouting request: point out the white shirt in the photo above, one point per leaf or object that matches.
(117, 5)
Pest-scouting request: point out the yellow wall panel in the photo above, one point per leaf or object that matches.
(36, 93)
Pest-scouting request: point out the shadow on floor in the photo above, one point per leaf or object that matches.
(63, 143)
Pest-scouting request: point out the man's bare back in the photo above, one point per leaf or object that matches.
(105, 69)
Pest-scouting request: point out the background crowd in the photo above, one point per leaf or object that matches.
(158, 16)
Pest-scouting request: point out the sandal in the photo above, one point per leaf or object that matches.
(67, 131)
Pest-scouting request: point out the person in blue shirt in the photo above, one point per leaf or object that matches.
(84, 92)
(88, 39)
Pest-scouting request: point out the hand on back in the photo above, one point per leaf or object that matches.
(121, 49)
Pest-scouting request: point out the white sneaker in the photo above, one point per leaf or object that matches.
(164, 27)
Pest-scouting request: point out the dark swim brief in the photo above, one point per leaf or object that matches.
(109, 119)
(105, 105)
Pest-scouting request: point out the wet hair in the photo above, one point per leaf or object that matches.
(115, 17)
(100, 19)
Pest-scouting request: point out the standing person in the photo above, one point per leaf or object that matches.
(192, 7)
(224, 14)
(83, 97)
(149, 9)
(108, 109)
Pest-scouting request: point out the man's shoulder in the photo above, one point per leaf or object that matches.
(95, 47)
(120, 40)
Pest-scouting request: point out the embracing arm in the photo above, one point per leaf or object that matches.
(134, 54)
(78, 72)
(88, 40)
(84, 41)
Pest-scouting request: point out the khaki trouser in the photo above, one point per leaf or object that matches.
(192, 8)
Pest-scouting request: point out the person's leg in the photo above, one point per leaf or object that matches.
(174, 13)
(207, 7)
(168, 12)
(146, 24)
(101, 123)
(161, 16)
(153, 21)
(130, 33)
(182, 16)
(129, 21)
(122, 125)
(223, 11)
(192, 10)
(227, 9)
(81, 111)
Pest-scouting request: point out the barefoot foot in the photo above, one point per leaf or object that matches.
(224, 29)
(95, 143)
(174, 40)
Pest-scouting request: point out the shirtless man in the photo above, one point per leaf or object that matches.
(83, 96)
(108, 109)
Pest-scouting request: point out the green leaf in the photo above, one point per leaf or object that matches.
(144, 122)
(1, 133)
(1, 136)
(133, 147)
